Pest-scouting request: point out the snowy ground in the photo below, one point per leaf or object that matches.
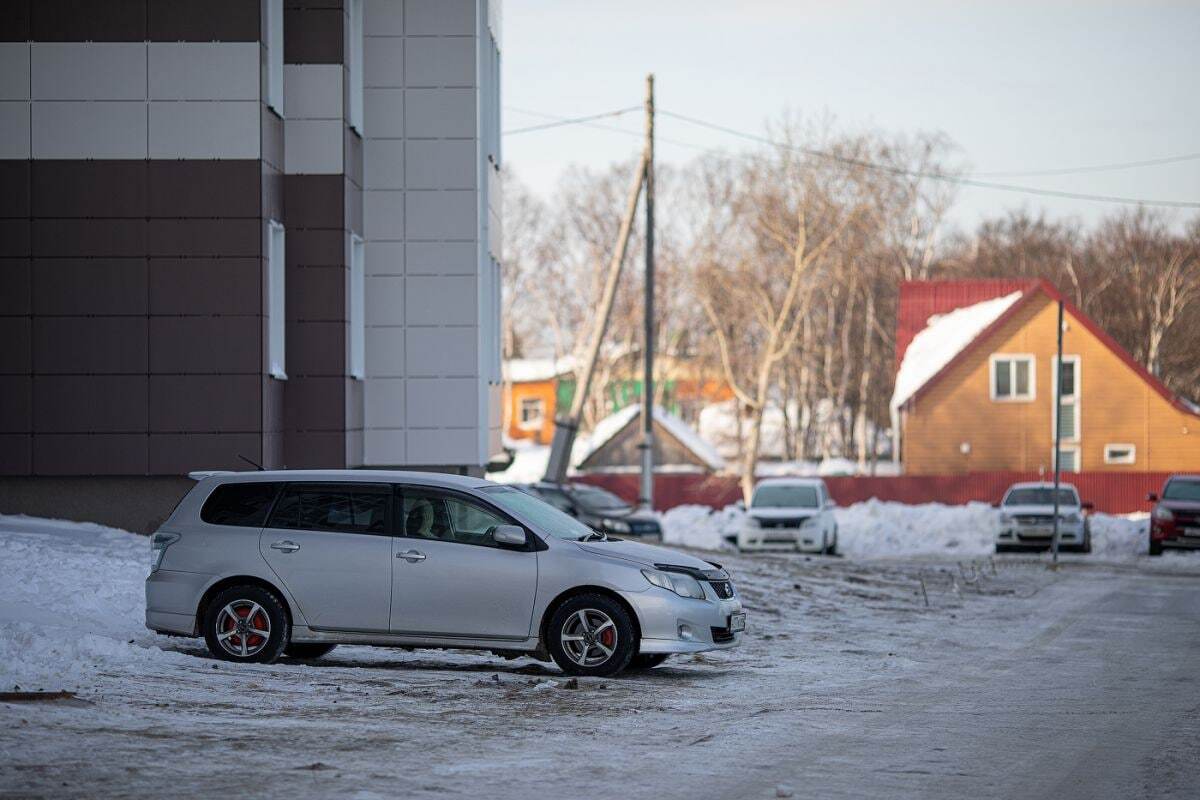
(1012, 681)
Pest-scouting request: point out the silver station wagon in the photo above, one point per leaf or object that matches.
(264, 564)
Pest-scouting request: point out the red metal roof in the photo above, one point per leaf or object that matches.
(1031, 289)
(920, 300)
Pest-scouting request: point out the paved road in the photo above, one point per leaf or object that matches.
(1097, 697)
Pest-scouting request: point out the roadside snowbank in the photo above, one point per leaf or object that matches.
(877, 529)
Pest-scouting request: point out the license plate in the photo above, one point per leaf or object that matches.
(1191, 531)
(737, 622)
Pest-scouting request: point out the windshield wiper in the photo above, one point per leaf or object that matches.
(595, 536)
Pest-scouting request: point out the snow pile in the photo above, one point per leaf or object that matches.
(944, 337)
(71, 603)
(1120, 537)
(524, 370)
(700, 527)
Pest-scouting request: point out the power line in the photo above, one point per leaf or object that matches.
(1151, 162)
(560, 121)
(938, 176)
(600, 126)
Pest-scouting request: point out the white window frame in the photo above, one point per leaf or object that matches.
(531, 425)
(273, 19)
(355, 62)
(1077, 434)
(1129, 459)
(1067, 448)
(358, 308)
(276, 294)
(1013, 358)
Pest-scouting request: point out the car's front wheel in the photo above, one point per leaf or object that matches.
(591, 635)
(246, 623)
(1156, 547)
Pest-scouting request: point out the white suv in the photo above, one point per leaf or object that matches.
(1027, 519)
(792, 513)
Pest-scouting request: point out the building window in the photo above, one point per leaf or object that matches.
(1012, 378)
(273, 19)
(1068, 383)
(276, 325)
(354, 61)
(358, 311)
(1120, 454)
(1069, 458)
(533, 413)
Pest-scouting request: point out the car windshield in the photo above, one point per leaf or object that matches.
(599, 499)
(783, 496)
(545, 516)
(1182, 489)
(1041, 496)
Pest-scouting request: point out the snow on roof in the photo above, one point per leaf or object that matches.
(521, 370)
(613, 424)
(943, 338)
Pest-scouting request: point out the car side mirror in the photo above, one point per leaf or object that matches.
(995, 505)
(1088, 506)
(513, 535)
(1152, 497)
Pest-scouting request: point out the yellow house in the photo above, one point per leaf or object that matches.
(975, 388)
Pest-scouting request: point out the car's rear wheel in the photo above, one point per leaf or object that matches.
(246, 623)
(831, 550)
(307, 650)
(590, 635)
(647, 660)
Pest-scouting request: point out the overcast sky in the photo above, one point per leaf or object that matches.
(1018, 85)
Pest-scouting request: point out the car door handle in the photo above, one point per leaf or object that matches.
(411, 556)
(285, 546)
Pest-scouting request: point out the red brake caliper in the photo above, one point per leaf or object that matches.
(608, 637)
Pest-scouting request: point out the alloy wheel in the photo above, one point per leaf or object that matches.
(243, 628)
(589, 637)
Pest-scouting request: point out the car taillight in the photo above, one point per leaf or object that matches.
(159, 543)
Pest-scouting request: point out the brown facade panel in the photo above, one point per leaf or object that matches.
(89, 345)
(315, 404)
(90, 454)
(14, 187)
(88, 20)
(89, 286)
(316, 294)
(89, 404)
(315, 450)
(316, 348)
(205, 189)
(16, 351)
(180, 453)
(205, 345)
(14, 20)
(203, 21)
(205, 286)
(204, 237)
(15, 287)
(15, 238)
(16, 404)
(316, 248)
(313, 35)
(16, 454)
(205, 403)
(85, 188)
(84, 238)
(314, 201)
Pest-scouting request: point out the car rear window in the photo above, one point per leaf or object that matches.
(343, 507)
(244, 504)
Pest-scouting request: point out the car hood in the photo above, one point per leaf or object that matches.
(635, 514)
(783, 513)
(1047, 510)
(645, 554)
(1180, 505)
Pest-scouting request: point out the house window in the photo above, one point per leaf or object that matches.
(358, 312)
(355, 63)
(533, 413)
(1068, 458)
(1120, 454)
(276, 327)
(1012, 378)
(273, 18)
(1068, 389)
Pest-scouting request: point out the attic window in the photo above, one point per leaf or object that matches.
(1012, 378)
(1120, 454)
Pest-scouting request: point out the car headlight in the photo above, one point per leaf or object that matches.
(808, 522)
(1162, 514)
(677, 582)
(615, 525)
(1006, 519)
(1072, 517)
(752, 522)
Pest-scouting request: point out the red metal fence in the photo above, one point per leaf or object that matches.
(1112, 492)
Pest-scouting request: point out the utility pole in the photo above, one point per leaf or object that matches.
(1057, 436)
(646, 500)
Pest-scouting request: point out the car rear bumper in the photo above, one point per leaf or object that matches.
(172, 599)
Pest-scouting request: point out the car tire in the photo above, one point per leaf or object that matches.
(831, 550)
(611, 630)
(307, 650)
(647, 660)
(260, 606)
(1156, 548)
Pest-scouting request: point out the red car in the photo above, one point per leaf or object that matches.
(1175, 521)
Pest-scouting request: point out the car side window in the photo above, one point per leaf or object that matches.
(339, 507)
(242, 504)
(429, 514)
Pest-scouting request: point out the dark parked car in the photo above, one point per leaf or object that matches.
(1175, 521)
(597, 508)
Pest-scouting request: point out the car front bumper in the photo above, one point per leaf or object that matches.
(1033, 536)
(674, 624)
(807, 539)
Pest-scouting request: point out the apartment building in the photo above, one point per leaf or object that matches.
(239, 231)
